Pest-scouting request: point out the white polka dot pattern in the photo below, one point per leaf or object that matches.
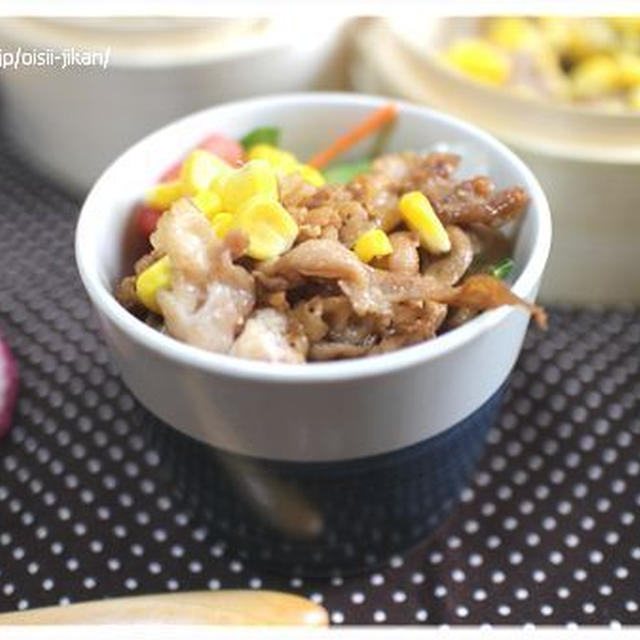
(546, 533)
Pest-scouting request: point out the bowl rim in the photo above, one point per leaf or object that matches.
(326, 372)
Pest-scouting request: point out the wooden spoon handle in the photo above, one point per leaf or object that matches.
(226, 607)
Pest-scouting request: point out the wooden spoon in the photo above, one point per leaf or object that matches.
(226, 607)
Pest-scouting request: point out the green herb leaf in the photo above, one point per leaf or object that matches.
(501, 269)
(345, 171)
(261, 135)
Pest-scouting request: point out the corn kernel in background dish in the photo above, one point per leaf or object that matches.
(480, 60)
(634, 98)
(593, 61)
(595, 76)
(513, 33)
(629, 65)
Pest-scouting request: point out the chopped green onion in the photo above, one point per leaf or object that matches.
(501, 269)
(261, 135)
(345, 171)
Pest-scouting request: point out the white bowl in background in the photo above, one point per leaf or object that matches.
(321, 411)
(587, 161)
(72, 122)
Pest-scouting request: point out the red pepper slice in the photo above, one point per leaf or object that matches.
(147, 219)
(172, 173)
(226, 148)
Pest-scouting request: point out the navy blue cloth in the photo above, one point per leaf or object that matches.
(326, 518)
(546, 530)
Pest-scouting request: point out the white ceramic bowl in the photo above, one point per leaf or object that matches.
(71, 123)
(318, 412)
(586, 160)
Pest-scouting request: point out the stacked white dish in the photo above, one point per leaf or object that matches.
(71, 122)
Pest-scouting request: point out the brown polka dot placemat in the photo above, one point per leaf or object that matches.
(547, 532)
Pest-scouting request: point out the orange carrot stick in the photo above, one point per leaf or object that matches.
(369, 125)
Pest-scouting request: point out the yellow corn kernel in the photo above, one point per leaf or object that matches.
(311, 175)
(556, 31)
(625, 23)
(209, 202)
(151, 280)
(200, 170)
(221, 223)
(577, 37)
(420, 216)
(634, 98)
(513, 33)
(164, 194)
(278, 159)
(372, 244)
(256, 177)
(595, 76)
(629, 66)
(591, 36)
(268, 225)
(481, 60)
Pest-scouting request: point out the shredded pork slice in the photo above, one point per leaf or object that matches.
(318, 259)
(332, 260)
(126, 295)
(405, 257)
(369, 290)
(345, 211)
(412, 323)
(210, 297)
(374, 291)
(452, 267)
(411, 169)
(268, 336)
(336, 351)
(355, 222)
(473, 200)
(482, 291)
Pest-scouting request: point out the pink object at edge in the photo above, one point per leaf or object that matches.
(8, 372)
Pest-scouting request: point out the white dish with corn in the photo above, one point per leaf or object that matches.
(255, 254)
(291, 412)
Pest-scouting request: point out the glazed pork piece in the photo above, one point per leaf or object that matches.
(319, 299)
(210, 297)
